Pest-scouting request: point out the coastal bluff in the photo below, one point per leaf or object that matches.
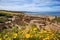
(9, 19)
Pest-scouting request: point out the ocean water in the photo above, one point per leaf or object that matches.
(44, 13)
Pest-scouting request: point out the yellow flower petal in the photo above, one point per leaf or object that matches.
(27, 35)
(0, 38)
(35, 29)
(15, 35)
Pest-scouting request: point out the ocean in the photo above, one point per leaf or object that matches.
(44, 13)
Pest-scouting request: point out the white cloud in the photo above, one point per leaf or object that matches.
(29, 5)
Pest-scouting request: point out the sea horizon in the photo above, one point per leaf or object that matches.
(51, 13)
(44, 13)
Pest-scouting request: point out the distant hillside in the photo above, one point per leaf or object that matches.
(11, 11)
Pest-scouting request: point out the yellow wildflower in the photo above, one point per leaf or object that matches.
(5, 36)
(52, 34)
(46, 38)
(20, 32)
(35, 29)
(22, 39)
(8, 38)
(0, 38)
(15, 35)
(41, 32)
(27, 35)
(45, 31)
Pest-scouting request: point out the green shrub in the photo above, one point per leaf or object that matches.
(5, 14)
(58, 19)
(2, 21)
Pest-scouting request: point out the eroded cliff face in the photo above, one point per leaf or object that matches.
(20, 19)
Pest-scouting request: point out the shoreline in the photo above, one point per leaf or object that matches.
(41, 14)
(32, 13)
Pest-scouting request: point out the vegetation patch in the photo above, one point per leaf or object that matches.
(6, 14)
(2, 21)
(32, 34)
(58, 19)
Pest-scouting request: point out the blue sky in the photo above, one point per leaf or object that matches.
(30, 5)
